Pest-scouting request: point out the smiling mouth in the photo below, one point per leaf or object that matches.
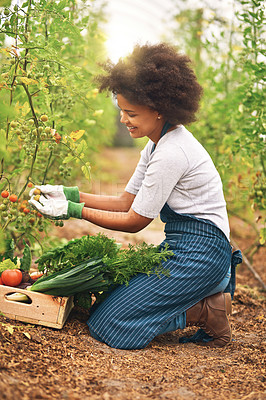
(131, 128)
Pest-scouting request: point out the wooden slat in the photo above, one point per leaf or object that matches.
(45, 310)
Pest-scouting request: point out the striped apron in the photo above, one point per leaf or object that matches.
(133, 315)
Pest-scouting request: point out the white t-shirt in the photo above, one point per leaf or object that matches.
(181, 173)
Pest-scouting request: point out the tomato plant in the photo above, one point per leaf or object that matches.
(11, 277)
(49, 116)
(229, 61)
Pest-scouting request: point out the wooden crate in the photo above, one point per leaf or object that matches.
(44, 309)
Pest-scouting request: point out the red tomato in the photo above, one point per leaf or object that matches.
(13, 198)
(4, 194)
(11, 277)
(26, 210)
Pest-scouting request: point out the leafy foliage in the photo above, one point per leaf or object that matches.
(76, 251)
(229, 62)
(52, 118)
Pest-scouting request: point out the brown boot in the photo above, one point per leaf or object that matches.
(211, 315)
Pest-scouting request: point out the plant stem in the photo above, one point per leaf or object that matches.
(47, 167)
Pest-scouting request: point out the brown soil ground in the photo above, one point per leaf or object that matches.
(37, 362)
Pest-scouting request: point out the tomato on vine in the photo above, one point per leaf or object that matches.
(36, 191)
(44, 118)
(13, 198)
(4, 194)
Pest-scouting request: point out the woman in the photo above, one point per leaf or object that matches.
(157, 93)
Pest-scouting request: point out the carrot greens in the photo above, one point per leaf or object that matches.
(96, 265)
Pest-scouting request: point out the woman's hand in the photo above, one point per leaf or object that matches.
(58, 192)
(57, 209)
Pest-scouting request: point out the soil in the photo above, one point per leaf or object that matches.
(38, 362)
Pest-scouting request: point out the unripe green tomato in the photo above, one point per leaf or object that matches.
(31, 121)
(40, 228)
(47, 130)
(13, 124)
(61, 223)
(40, 129)
(6, 25)
(34, 132)
(13, 211)
(3, 207)
(5, 201)
(4, 214)
(259, 193)
(44, 118)
(6, 11)
(22, 136)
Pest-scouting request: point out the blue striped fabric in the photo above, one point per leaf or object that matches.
(133, 315)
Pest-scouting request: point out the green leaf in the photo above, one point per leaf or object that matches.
(86, 170)
(25, 261)
(69, 158)
(7, 264)
(82, 146)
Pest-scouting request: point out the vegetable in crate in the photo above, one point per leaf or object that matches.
(76, 251)
(87, 276)
(116, 266)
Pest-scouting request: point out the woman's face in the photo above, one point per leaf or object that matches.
(140, 120)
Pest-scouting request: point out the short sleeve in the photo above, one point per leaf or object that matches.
(135, 181)
(163, 172)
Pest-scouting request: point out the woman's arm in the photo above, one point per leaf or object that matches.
(108, 203)
(118, 221)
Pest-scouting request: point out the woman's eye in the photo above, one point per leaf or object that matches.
(132, 115)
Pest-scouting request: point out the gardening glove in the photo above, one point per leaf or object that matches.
(58, 192)
(57, 209)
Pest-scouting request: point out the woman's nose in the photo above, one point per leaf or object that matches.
(123, 118)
